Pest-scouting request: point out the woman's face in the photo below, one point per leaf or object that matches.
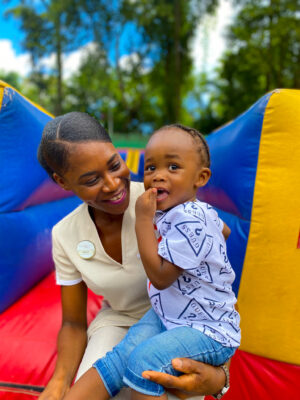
(98, 176)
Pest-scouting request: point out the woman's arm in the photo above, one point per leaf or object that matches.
(71, 341)
(198, 379)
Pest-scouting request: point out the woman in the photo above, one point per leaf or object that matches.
(95, 246)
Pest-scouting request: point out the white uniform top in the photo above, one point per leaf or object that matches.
(123, 286)
(202, 296)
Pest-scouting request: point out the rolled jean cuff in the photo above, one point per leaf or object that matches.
(105, 376)
(141, 384)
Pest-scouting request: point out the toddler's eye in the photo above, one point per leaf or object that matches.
(150, 168)
(173, 167)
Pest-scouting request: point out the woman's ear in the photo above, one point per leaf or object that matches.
(60, 181)
(203, 176)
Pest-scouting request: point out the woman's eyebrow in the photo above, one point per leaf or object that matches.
(112, 158)
(87, 174)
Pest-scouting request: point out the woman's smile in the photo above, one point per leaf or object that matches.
(119, 197)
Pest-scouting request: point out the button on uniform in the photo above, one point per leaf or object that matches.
(86, 249)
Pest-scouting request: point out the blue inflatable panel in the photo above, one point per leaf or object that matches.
(234, 154)
(22, 181)
(236, 244)
(25, 247)
(30, 205)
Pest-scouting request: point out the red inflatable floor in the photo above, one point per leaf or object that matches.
(28, 332)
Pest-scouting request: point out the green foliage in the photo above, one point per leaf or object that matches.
(50, 28)
(263, 54)
(12, 78)
(167, 28)
(147, 81)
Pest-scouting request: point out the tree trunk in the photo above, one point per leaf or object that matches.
(58, 38)
(177, 60)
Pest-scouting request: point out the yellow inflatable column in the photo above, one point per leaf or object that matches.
(269, 295)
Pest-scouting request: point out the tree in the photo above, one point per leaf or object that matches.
(167, 27)
(147, 71)
(49, 29)
(264, 54)
(12, 78)
(138, 68)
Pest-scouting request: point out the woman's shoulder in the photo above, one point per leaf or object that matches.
(74, 217)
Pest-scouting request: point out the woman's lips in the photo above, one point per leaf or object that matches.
(118, 198)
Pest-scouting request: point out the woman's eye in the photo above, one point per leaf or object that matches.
(91, 182)
(173, 167)
(115, 166)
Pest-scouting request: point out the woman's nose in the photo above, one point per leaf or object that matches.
(110, 183)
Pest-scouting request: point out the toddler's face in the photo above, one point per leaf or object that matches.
(173, 166)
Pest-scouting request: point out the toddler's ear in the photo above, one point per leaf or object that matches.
(203, 176)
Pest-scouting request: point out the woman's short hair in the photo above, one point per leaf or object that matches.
(60, 133)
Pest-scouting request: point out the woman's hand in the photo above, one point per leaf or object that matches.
(198, 379)
(145, 205)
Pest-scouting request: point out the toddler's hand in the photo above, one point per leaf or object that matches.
(146, 204)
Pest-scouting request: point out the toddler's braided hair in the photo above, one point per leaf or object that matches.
(198, 138)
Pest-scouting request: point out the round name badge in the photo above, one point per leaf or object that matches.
(86, 249)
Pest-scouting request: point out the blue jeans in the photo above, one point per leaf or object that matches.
(149, 346)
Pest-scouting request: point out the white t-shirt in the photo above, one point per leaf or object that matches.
(202, 297)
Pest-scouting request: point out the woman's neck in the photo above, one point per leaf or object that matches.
(109, 228)
(102, 219)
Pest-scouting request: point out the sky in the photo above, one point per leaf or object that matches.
(13, 57)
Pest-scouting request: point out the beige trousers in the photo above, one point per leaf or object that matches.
(101, 341)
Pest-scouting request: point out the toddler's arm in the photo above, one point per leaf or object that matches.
(160, 272)
(226, 231)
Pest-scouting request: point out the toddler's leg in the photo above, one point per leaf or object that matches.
(111, 368)
(157, 352)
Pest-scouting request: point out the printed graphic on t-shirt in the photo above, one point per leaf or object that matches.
(192, 232)
(214, 215)
(202, 296)
(156, 304)
(187, 283)
(195, 210)
(203, 272)
(216, 335)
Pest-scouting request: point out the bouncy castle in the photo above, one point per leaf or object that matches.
(255, 187)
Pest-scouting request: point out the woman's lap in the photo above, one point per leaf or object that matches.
(145, 347)
(100, 342)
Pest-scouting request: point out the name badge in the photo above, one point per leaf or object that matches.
(86, 249)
